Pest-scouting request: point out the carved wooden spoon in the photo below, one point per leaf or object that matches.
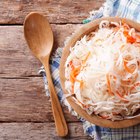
(39, 37)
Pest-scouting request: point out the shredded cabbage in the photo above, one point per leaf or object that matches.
(102, 71)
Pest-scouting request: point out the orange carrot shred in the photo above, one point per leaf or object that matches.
(130, 39)
(134, 86)
(73, 75)
(128, 69)
(71, 64)
(108, 84)
(120, 96)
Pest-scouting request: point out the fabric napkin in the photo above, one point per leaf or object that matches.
(122, 8)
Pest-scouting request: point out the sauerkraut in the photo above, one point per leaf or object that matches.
(102, 71)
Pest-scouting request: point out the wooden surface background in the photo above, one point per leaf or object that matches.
(25, 111)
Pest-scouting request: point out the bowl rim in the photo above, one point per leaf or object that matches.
(83, 30)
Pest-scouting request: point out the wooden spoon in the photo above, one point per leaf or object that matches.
(39, 37)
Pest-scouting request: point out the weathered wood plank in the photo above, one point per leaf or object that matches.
(57, 11)
(16, 60)
(24, 100)
(39, 131)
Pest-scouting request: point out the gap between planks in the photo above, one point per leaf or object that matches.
(65, 23)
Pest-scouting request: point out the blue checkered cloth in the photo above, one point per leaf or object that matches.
(122, 8)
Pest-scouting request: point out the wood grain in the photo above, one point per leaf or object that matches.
(16, 59)
(24, 100)
(57, 11)
(39, 131)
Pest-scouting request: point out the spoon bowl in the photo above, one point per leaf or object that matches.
(39, 37)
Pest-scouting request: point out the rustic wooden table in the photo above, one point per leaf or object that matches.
(25, 111)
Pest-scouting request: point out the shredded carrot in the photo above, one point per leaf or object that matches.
(129, 70)
(81, 84)
(123, 22)
(108, 84)
(72, 80)
(80, 81)
(75, 72)
(134, 86)
(112, 76)
(121, 97)
(72, 91)
(121, 48)
(73, 76)
(127, 81)
(71, 64)
(130, 39)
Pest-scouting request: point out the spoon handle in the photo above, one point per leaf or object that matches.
(60, 122)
